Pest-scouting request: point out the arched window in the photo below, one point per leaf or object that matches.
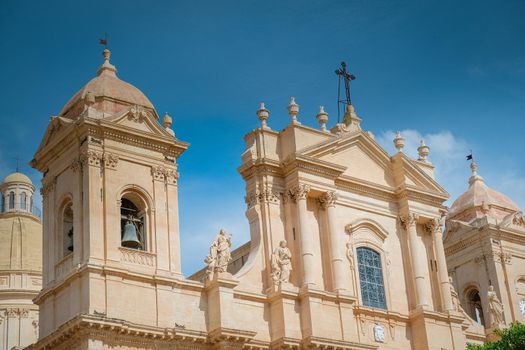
(67, 229)
(23, 201)
(11, 200)
(474, 306)
(132, 222)
(371, 278)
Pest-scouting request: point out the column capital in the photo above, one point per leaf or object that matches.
(327, 199)
(409, 219)
(433, 226)
(299, 192)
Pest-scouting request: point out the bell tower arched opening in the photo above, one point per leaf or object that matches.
(133, 222)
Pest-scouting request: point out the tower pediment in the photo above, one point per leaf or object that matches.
(139, 118)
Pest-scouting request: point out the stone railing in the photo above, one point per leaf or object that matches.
(64, 266)
(137, 257)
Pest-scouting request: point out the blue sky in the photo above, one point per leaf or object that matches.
(452, 72)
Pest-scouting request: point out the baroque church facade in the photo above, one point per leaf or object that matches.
(346, 248)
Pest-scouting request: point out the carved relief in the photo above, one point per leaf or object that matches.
(138, 257)
(266, 195)
(327, 199)
(379, 333)
(350, 254)
(48, 186)
(110, 160)
(138, 114)
(299, 192)
(498, 257)
(90, 157)
(433, 226)
(408, 220)
(161, 173)
(518, 219)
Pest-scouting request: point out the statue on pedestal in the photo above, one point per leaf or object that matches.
(281, 264)
(495, 308)
(219, 256)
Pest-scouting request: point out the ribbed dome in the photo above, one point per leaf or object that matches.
(17, 177)
(20, 242)
(481, 200)
(106, 93)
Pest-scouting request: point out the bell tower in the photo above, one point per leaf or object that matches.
(110, 208)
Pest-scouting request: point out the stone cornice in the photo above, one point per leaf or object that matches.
(260, 167)
(360, 310)
(312, 166)
(365, 188)
(319, 343)
(56, 286)
(95, 131)
(111, 330)
(472, 235)
(420, 195)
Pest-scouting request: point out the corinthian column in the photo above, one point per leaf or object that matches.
(300, 196)
(434, 228)
(340, 278)
(417, 258)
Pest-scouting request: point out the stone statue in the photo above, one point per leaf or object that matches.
(281, 264)
(495, 308)
(455, 297)
(219, 256)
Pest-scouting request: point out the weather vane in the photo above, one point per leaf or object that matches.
(104, 41)
(343, 73)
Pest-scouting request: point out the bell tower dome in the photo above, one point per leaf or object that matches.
(110, 206)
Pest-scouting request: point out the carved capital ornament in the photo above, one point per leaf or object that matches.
(328, 199)
(408, 220)
(299, 192)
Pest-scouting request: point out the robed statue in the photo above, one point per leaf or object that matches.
(495, 308)
(281, 264)
(219, 256)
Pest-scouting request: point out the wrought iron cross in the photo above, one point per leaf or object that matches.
(343, 73)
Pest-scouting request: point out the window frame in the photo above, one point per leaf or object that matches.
(380, 259)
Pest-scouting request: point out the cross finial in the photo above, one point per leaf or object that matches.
(17, 158)
(347, 77)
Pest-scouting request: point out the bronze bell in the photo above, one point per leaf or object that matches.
(130, 238)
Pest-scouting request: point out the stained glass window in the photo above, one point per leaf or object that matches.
(371, 278)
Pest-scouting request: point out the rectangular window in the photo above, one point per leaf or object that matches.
(371, 278)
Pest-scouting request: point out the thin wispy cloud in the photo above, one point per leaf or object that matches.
(448, 155)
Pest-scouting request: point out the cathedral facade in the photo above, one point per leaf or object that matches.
(346, 248)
